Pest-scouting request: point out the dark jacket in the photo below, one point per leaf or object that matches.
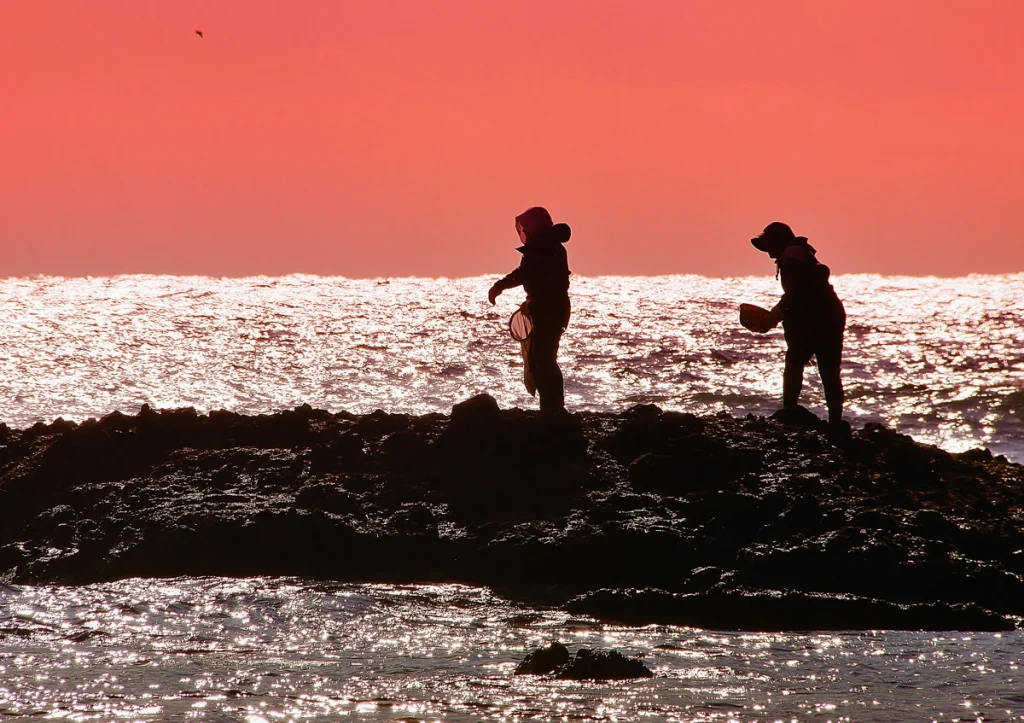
(544, 270)
(807, 294)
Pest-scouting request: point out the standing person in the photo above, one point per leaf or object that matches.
(544, 274)
(812, 316)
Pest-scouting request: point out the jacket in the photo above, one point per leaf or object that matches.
(543, 271)
(807, 294)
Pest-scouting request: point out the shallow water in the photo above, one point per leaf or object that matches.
(271, 649)
(941, 359)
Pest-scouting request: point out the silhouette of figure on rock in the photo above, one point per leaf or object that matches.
(543, 273)
(812, 316)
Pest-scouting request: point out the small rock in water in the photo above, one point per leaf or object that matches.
(602, 665)
(585, 665)
(544, 660)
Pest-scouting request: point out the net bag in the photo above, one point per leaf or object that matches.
(520, 325)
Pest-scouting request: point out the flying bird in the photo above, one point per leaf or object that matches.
(199, 33)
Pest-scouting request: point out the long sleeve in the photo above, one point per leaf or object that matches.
(543, 270)
(509, 281)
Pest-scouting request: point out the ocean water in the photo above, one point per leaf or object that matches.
(262, 650)
(940, 359)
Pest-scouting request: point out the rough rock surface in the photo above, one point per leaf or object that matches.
(643, 516)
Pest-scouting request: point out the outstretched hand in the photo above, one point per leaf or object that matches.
(492, 295)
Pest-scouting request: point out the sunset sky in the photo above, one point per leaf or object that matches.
(386, 138)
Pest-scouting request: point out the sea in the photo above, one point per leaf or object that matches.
(940, 359)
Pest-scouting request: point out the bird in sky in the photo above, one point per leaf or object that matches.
(199, 33)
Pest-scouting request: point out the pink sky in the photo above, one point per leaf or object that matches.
(402, 137)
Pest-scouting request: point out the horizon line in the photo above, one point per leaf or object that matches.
(301, 274)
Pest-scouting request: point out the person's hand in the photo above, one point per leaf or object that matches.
(776, 315)
(492, 295)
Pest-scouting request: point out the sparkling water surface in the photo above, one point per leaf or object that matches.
(270, 649)
(940, 359)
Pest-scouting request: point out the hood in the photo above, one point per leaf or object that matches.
(559, 233)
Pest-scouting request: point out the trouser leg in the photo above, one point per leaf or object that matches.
(829, 352)
(793, 376)
(543, 356)
(798, 352)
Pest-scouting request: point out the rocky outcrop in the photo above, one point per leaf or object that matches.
(713, 521)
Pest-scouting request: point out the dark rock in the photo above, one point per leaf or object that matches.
(544, 660)
(804, 512)
(702, 579)
(602, 665)
(61, 425)
(11, 556)
(472, 432)
(117, 421)
(414, 519)
(481, 409)
(717, 512)
(343, 453)
(641, 432)
(586, 664)
(976, 455)
(510, 464)
(379, 423)
(693, 462)
(840, 433)
(404, 449)
(329, 498)
(657, 473)
(800, 417)
(39, 429)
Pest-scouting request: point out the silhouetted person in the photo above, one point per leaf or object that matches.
(812, 317)
(544, 275)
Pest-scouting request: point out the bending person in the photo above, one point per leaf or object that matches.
(812, 316)
(544, 274)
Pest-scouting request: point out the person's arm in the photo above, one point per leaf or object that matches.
(506, 282)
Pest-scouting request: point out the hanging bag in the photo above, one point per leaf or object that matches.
(520, 327)
(520, 324)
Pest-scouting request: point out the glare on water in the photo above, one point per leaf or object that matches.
(279, 650)
(941, 359)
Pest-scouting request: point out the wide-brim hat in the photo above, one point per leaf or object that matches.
(775, 234)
